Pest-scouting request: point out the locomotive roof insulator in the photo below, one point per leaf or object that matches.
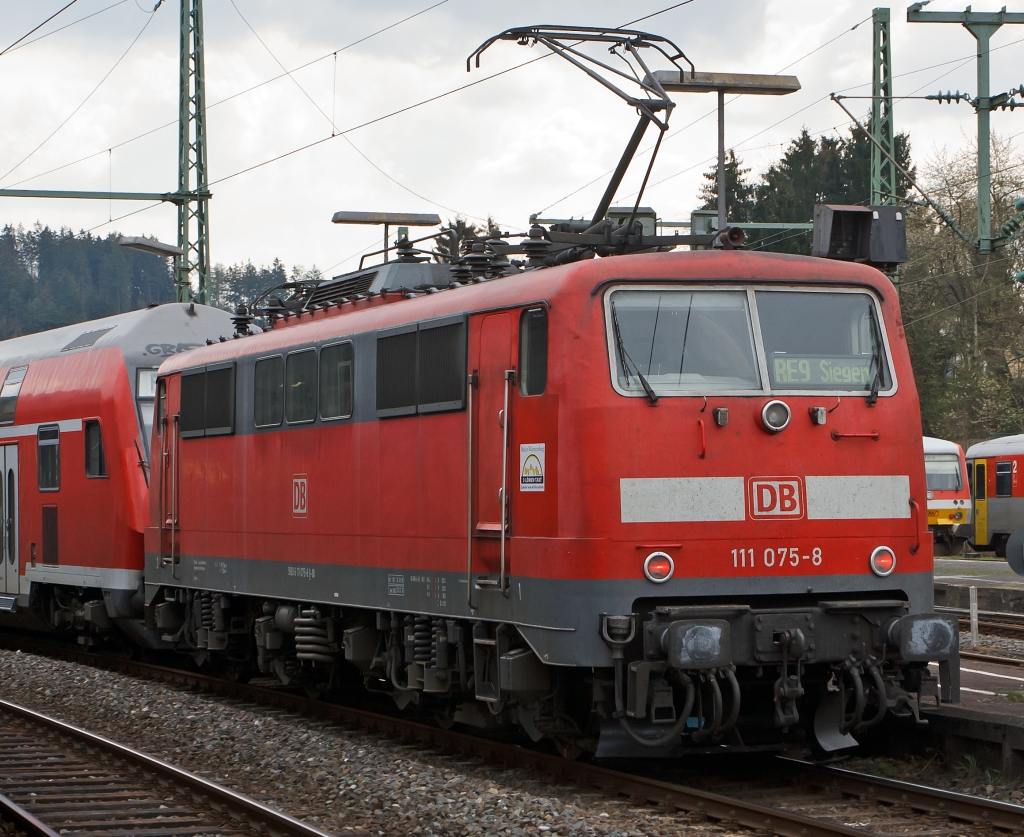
(241, 321)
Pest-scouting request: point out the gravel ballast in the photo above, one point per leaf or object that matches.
(340, 780)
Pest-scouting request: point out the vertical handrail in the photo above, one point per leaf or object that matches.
(174, 492)
(703, 440)
(469, 490)
(917, 526)
(161, 498)
(509, 376)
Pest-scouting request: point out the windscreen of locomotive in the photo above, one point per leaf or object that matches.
(820, 340)
(684, 340)
(942, 472)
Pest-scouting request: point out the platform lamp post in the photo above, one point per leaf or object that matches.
(674, 81)
(387, 219)
(158, 248)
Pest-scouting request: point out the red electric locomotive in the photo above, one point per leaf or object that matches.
(676, 496)
(76, 414)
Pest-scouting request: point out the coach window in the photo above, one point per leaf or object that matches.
(95, 464)
(300, 391)
(145, 393)
(48, 444)
(336, 366)
(1004, 479)
(533, 351)
(9, 393)
(268, 391)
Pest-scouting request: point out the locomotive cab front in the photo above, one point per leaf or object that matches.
(771, 506)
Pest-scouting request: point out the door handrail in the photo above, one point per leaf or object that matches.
(510, 376)
(470, 384)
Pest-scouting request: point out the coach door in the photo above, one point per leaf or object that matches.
(9, 491)
(980, 504)
(493, 387)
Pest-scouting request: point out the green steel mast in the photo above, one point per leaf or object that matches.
(982, 25)
(193, 210)
(883, 169)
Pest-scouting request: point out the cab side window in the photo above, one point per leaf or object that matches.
(533, 351)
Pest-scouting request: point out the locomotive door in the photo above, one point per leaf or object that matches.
(492, 364)
(980, 504)
(9, 507)
(170, 550)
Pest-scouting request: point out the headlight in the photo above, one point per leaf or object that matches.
(775, 416)
(931, 495)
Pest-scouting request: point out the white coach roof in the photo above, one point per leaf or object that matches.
(1003, 446)
(933, 445)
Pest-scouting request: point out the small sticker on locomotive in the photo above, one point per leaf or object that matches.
(300, 495)
(776, 497)
(531, 467)
(396, 585)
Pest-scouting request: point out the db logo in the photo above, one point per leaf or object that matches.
(300, 495)
(776, 497)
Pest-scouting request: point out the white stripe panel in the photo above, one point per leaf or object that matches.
(682, 499)
(858, 498)
(17, 431)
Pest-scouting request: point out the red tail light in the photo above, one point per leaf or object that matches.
(883, 561)
(659, 567)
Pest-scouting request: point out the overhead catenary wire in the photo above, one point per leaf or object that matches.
(40, 26)
(22, 43)
(233, 96)
(82, 103)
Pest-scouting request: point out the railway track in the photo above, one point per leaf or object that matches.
(784, 797)
(58, 780)
(1009, 625)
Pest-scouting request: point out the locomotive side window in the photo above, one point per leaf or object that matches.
(980, 487)
(942, 472)
(533, 351)
(300, 392)
(95, 464)
(268, 392)
(207, 401)
(1004, 479)
(9, 393)
(336, 368)
(683, 341)
(48, 463)
(822, 341)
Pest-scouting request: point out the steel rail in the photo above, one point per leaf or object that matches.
(220, 798)
(23, 820)
(725, 810)
(956, 806)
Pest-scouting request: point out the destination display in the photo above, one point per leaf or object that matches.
(818, 372)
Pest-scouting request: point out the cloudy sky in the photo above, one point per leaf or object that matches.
(94, 106)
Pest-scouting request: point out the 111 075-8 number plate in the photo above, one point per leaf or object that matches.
(775, 556)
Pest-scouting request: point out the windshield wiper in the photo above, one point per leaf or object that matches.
(876, 379)
(652, 397)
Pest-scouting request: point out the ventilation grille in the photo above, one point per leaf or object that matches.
(396, 374)
(83, 341)
(441, 367)
(333, 291)
(50, 535)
